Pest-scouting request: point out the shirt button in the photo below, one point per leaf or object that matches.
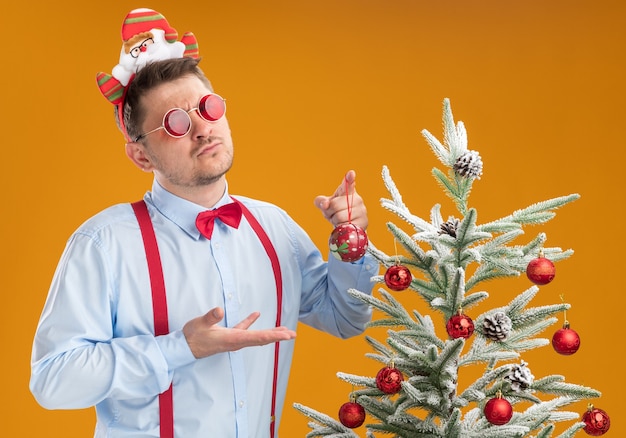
(241, 403)
(229, 296)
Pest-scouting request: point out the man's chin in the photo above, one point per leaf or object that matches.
(210, 178)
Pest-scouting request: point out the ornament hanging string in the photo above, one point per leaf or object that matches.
(499, 393)
(564, 310)
(395, 248)
(349, 200)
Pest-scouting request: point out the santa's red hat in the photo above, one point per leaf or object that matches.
(144, 20)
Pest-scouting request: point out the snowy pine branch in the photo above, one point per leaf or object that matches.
(556, 385)
(537, 213)
(396, 206)
(324, 425)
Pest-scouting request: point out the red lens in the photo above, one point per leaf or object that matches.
(177, 122)
(211, 107)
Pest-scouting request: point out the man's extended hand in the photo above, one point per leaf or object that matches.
(335, 207)
(206, 338)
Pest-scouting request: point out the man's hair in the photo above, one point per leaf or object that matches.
(149, 77)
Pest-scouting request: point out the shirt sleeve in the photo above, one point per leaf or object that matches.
(325, 302)
(77, 360)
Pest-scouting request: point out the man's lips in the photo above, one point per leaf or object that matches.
(208, 148)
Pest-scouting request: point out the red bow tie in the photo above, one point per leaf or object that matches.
(230, 214)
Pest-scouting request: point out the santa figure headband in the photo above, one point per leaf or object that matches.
(146, 37)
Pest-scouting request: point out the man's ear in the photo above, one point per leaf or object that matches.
(135, 151)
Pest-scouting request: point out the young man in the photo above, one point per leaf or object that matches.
(159, 336)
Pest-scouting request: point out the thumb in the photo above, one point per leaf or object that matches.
(348, 184)
(213, 316)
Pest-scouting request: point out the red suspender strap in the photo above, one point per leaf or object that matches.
(159, 303)
(159, 306)
(271, 252)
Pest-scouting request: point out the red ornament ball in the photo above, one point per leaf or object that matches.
(460, 326)
(540, 270)
(566, 341)
(398, 277)
(498, 411)
(597, 422)
(351, 414)
(389, 380)
(348, 242)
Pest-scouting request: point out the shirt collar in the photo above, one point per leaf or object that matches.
(178, 210)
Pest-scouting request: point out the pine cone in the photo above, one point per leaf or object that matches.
(450, 226)
(520, 377)
(469, 165)
(497, 326)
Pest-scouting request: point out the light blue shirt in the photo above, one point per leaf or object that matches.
(95, 346)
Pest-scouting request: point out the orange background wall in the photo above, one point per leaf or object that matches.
(315, 88)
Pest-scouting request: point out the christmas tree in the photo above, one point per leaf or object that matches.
(416, 392)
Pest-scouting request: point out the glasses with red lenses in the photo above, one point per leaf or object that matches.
(177, 123)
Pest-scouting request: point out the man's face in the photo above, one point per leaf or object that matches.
(200, 158)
